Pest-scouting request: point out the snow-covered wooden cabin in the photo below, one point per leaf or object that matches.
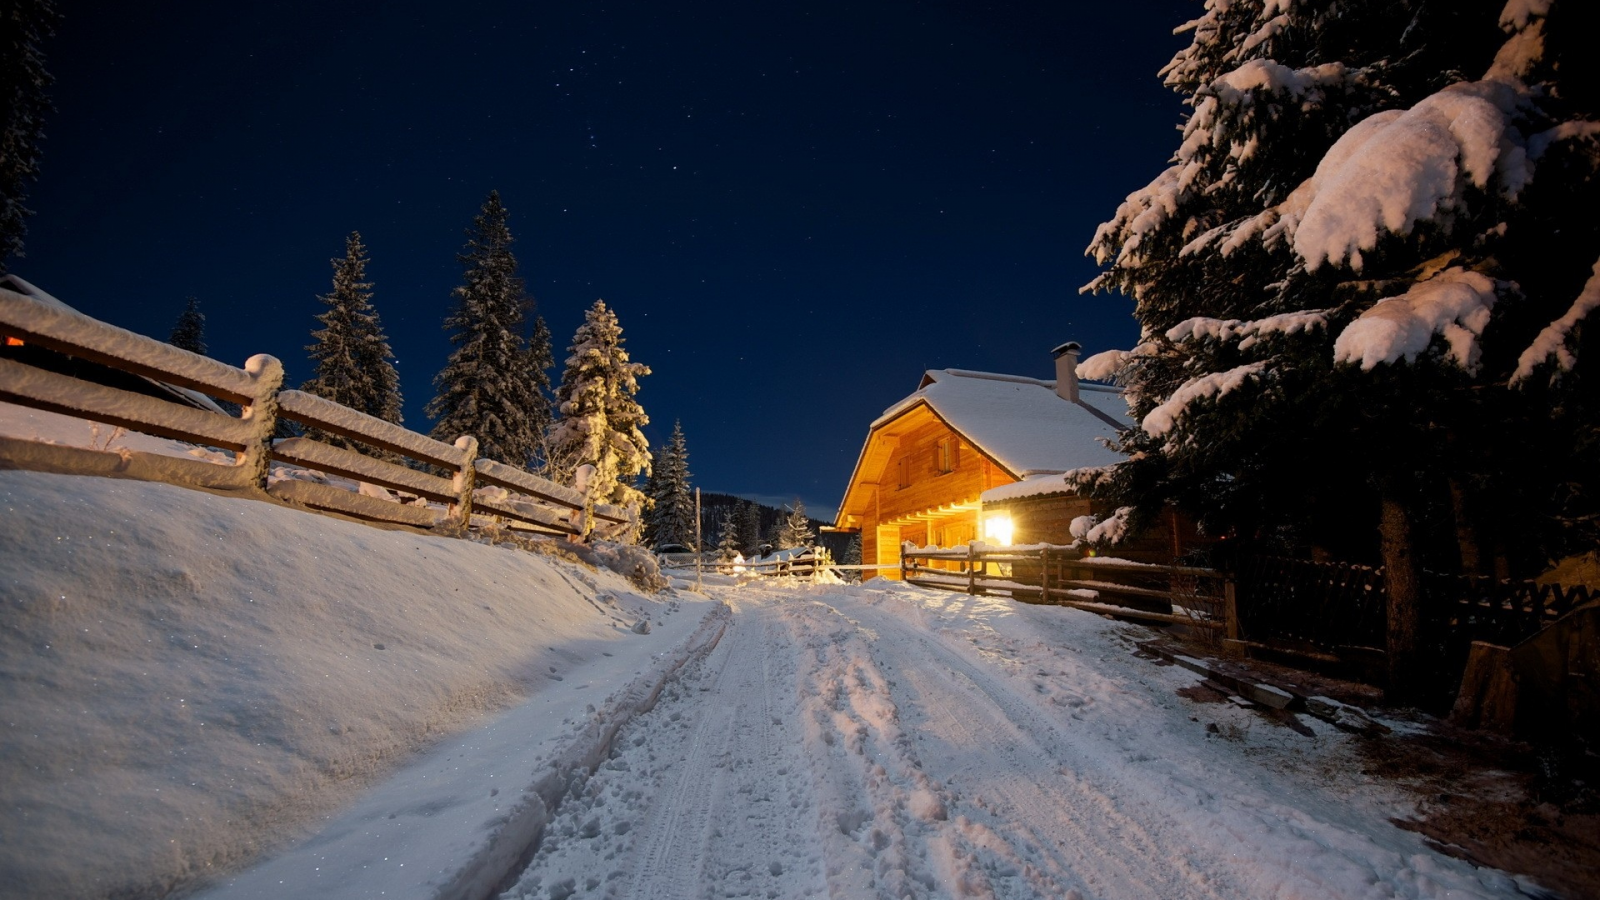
(979, 455)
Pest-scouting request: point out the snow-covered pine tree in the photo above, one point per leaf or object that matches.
(852, 557)
(750, 528)
(24, 27)
(1327, 277)
(795, 530)
(728, 545)
(671, 516)
(189, 332)
(489, 387)
(355, 366)
(599, 420)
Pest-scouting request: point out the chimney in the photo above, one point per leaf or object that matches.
(1066, 357)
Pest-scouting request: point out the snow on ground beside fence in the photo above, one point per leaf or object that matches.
(189, 680)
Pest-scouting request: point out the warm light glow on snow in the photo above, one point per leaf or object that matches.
(997, 528)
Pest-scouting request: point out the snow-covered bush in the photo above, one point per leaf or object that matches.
(632, 561)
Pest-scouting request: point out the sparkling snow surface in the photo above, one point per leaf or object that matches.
(187, 679)
(191, 679)
(888, 742)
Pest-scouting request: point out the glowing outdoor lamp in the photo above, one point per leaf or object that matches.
(997, 529)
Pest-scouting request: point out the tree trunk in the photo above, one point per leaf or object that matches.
(1466, 535)
(1403, 584)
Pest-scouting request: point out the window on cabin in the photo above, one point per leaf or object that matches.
(944, 460)
(905, 471)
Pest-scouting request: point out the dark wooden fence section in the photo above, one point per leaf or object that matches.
(1334, 606)
(1323, 612)
(1500, 612)
(1310, 608)
(1063, 576)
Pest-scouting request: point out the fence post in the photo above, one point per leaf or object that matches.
(903, 560)
(262, 414)
(581, 519)
(972, 568)
(1230, 617)
(461, 484)
(1044, 574)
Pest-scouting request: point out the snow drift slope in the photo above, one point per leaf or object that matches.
(187, 680)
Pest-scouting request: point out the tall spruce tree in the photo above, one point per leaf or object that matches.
(189, 332)
(750, 528)
(1337, 276)
(489, 387)
(852, 557)
(600, 420)
(671, 516)
(795, 529)
(25, 25)
(355, 366)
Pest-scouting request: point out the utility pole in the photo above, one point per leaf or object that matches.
(699, 546)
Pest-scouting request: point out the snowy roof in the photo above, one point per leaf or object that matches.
(1022, 423)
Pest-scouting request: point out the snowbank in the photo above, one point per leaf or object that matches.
(189, 680)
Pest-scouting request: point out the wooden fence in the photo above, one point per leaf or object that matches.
(808, 563)
(1338, 610)
(1331, 613)
(512, 494)
(1061, 575)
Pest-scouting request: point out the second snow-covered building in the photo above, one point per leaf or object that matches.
(979, 455)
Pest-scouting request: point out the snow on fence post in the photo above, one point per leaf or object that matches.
(461, 484)
(266, 375)
(581, 519)
(972, 568)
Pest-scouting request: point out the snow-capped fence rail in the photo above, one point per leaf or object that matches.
(1062, 575)
(512, 494)
(56, 327)
(807, 562)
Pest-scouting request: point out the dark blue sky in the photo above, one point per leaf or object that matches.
(794, 208)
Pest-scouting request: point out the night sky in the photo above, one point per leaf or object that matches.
(793, 208)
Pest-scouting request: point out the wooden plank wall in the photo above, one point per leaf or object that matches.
(916, 439)
(930, 488)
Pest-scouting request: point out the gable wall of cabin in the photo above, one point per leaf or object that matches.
(910, 451)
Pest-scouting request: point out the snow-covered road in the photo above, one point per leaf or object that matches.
(893, 742)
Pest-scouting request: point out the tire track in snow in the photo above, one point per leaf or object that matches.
(724, 828)
(675, 853)
(1059, 799)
